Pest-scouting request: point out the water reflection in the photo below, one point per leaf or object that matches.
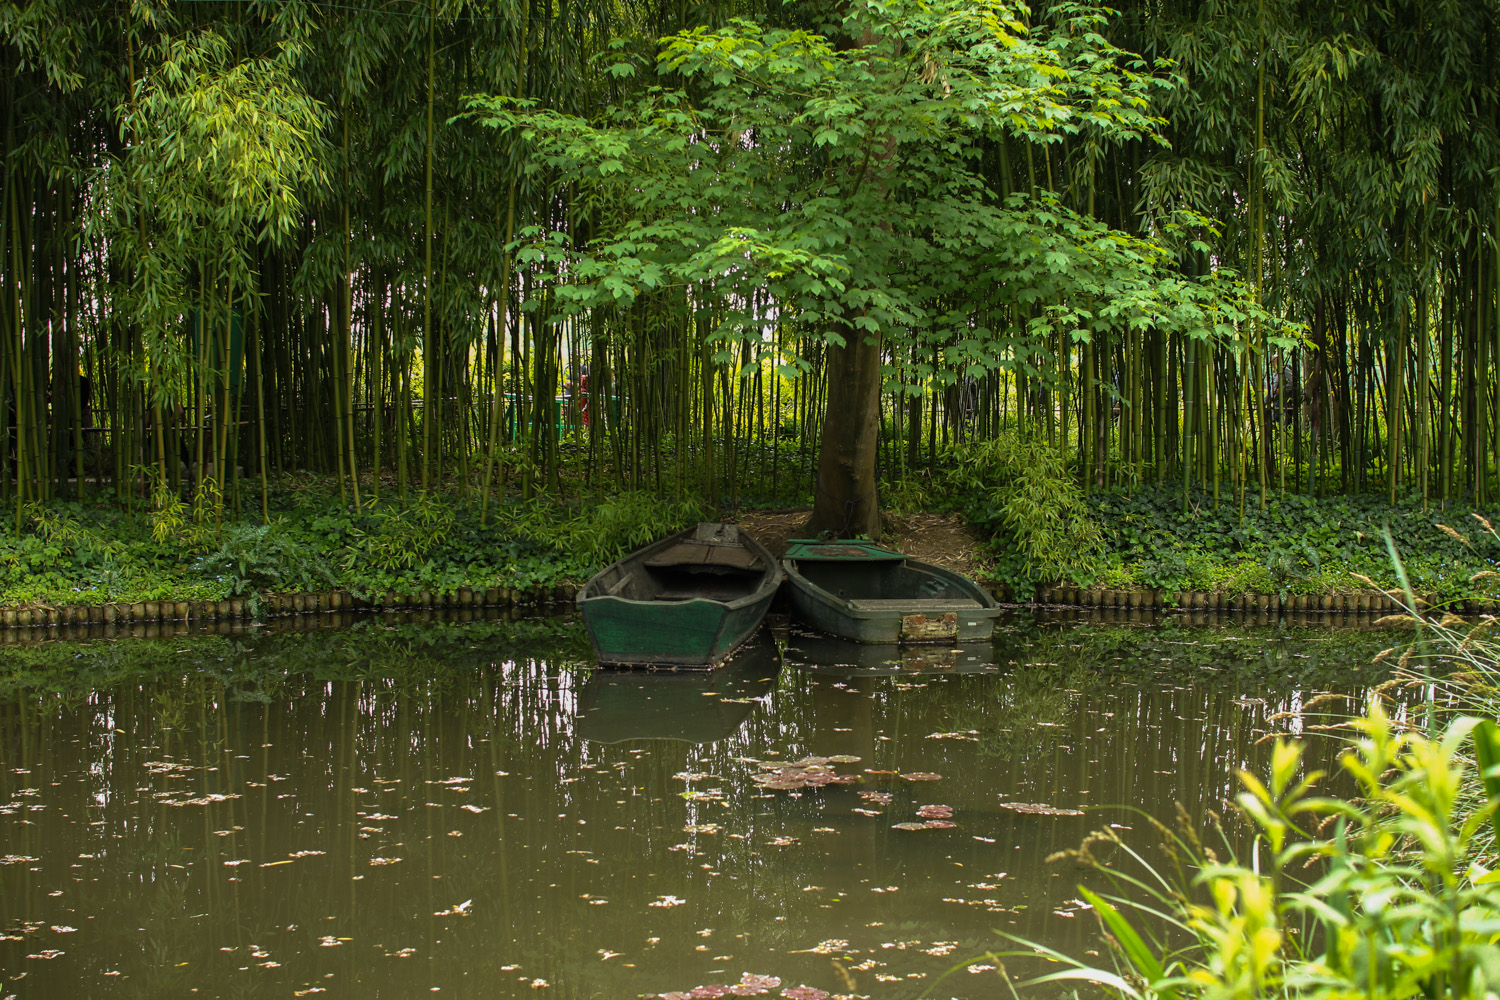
(691, 706)
(463, 808)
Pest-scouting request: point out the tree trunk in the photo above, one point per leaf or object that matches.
(847, 503)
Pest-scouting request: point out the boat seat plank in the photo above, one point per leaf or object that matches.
(692, 554)
(914, 605)
(620, 584)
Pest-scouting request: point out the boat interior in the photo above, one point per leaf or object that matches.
(872, 582)
(712, 563)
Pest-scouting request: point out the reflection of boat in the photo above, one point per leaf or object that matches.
(860, 591)
(825, 654)
(685, 601)
(695, 707)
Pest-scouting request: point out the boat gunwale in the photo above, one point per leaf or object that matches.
(772, 575)
(988, 606)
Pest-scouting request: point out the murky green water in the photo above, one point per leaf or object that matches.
(461, 809)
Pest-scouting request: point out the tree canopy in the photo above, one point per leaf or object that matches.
(833, 178)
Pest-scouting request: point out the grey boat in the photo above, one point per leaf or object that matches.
(858, 590)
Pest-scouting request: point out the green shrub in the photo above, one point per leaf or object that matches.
(1023, 495)
(1382, 895)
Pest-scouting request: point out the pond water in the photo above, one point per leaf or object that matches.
(465, 809)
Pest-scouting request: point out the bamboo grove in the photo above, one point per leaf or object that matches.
(238, 239)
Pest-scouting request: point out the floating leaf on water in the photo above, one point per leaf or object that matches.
(783, 785)
(201, 800)
(810, 772)
(1039, 809)
(935, 812)
(666, 901)
(707, 828)
(758, 983)
(804, 993)
(783, 841)
(830, 947)
(908, 826)
(48, 953)
(62, 929)
(921, 776)
(867, 812)
(844, 758)
(384, 861)
(471, 807)
(878, 798)
(940, 824)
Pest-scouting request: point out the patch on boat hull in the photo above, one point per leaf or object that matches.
(925, 628)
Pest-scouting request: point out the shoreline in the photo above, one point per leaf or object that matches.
(321, 621)
(1134, 605)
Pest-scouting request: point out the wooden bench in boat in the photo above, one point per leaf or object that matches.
(698, 554)
(913, 605)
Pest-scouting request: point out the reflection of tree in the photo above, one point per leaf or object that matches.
(1037, 696)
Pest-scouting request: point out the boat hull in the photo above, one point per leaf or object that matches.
(681, 633)
(698, 634)
(890, 601)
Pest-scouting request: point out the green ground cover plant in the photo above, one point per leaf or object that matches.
(69, 553)
(1040, 528)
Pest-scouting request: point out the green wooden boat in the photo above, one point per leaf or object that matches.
(685, 601)
(860, 591)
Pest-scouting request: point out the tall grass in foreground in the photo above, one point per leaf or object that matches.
(1391, 893)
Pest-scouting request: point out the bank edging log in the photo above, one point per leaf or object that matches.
(1357, 602)
(275, 605)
